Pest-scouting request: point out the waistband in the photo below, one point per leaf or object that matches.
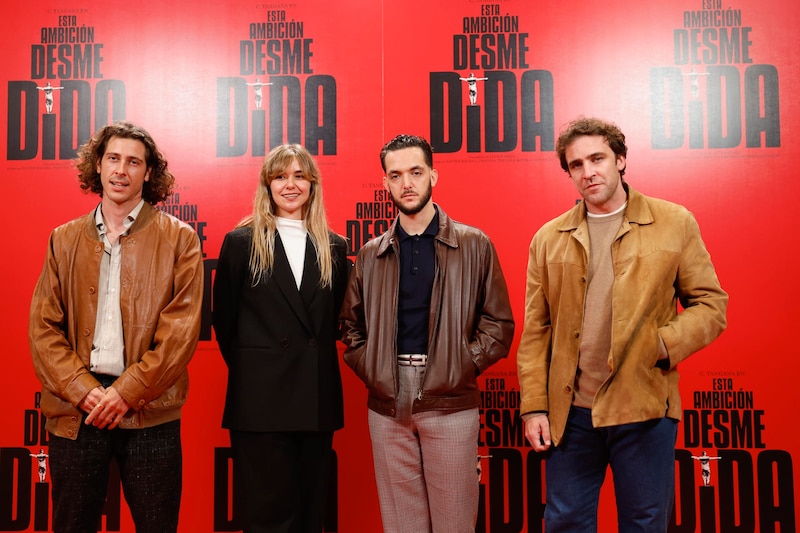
(105, 379)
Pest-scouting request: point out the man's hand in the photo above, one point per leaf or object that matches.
(92, 399)
(537, 431)
(108, 410)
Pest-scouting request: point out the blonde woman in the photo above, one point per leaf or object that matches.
(278, 289)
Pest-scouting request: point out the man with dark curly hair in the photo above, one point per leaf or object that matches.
(425, 312)
(114, 321)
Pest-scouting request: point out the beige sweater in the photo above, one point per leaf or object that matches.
(593, 361)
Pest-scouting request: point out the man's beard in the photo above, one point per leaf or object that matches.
(416, 208)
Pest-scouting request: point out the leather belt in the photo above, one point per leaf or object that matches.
(412, 359)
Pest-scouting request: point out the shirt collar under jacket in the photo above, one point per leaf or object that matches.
(129, 219)
(430, 231)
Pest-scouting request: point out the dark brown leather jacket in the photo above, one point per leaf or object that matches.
(160, 298)
(471, 324)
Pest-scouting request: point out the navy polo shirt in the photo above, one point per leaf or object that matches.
(417, 268)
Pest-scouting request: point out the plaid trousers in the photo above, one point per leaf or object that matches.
(425, 464)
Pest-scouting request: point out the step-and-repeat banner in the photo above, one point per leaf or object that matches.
(704, 90)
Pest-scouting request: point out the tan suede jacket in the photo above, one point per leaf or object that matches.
(659, 261)
(160, 298)
(471, 324)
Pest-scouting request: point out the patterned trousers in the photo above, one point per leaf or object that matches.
(425, 464)
(150, 465)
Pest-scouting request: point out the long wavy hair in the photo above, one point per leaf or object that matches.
(161, 181)
(263, 219)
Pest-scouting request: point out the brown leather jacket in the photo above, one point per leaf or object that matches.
(471, 325)
(160, 298)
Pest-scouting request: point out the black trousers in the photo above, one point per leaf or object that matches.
(150, 465)
(280, 480)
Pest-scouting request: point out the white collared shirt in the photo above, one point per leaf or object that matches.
(108, 346)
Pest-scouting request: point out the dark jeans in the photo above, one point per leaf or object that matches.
(642, 460)
(150, 465)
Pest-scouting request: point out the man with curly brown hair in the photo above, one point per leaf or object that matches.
(114, 321)
(620, 290)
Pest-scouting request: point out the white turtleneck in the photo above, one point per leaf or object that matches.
(293, 236)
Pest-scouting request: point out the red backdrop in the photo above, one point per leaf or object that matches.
(701, 89)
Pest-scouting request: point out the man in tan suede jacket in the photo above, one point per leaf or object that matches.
(602, 338)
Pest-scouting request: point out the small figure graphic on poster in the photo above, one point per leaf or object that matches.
(48, 96)
(705, 466)
(42, 458)
(694, 79)
(258, 91)
(472, 83)
(480, 467)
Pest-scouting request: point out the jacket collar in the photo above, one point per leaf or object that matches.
(637, 212)
(146, 214)
(445, 235)
(287, 285)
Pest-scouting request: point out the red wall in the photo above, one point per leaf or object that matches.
(368, 70)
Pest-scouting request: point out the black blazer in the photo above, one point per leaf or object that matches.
(279, 342)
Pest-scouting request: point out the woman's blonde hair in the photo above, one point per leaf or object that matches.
(263, 219)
